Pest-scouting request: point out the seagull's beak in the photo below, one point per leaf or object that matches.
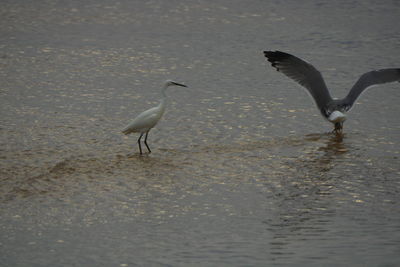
(179, 84)
(336, 117)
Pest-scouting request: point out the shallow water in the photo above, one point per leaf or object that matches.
(244, 171)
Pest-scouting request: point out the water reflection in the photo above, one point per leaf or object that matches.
(307, 200)
(333, 149)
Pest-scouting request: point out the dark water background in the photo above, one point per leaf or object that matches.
(244, 171)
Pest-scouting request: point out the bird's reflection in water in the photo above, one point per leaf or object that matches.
(335, 144)
(329, 154)
(307, 198)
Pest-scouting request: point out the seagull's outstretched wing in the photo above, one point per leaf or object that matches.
(371, 78)
(303, 73)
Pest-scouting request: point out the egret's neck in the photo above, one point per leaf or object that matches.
(164, 97)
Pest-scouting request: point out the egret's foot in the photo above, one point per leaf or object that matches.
(148, 148)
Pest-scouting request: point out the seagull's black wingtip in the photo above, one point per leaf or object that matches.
(269, 54)
(398, 74)
(275, 57)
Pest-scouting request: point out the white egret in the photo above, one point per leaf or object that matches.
(146, 120)
(309, 77)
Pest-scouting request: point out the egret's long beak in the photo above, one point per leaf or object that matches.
(336, 117)
(179, 84)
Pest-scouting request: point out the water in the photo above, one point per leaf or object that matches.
(244, 171)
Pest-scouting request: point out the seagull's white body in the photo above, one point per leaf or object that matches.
(146, 120)
(334, 110)
(337, 117)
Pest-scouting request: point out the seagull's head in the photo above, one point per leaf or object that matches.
(337, 117)
(172, 83)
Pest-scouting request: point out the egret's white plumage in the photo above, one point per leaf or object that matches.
(146, 120)
(310, 78)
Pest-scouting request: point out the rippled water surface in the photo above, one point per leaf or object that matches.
(244, 171)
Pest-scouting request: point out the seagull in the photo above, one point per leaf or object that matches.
(146, 120)
(309, 77)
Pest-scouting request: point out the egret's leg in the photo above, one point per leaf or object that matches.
(138, 141)
(145, 141)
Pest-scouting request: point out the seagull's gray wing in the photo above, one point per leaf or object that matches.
(303, 73)
(371, 78)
